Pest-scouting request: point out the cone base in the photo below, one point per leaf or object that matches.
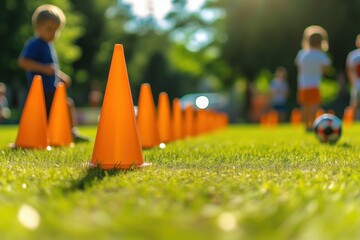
(13, 146)
(118, 166)
(150, 146)
(63, 145)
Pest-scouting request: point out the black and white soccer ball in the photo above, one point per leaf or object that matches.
(327, 128)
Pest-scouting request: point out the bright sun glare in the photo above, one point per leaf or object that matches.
(159, 8)
(202, 102)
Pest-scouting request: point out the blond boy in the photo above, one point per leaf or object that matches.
(39, 57)
(312, 62)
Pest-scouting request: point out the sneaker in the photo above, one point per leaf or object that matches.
(78, 138)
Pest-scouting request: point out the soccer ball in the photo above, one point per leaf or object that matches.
(327, 128)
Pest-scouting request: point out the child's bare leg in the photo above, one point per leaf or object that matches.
(313, 109)
(73, 114)
(308, 115)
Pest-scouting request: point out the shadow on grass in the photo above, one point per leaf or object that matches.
(93, 175)
(345, 145)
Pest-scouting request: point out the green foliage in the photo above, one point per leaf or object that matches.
(185, 61)
(329, 89)
(262, 82)
(237, 38)
(245, 182)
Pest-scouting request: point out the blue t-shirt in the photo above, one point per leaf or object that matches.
(40, 51)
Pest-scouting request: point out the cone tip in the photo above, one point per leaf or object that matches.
(37, 78)
(118, 47)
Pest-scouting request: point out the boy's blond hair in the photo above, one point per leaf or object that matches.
(48, 12)
(2, 88)
(315, 36)
(357, 41)
(281, 72)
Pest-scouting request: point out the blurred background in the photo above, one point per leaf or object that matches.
(227, 49)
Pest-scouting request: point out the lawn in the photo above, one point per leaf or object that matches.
(244, 182)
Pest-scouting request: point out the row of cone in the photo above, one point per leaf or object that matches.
(120, 136)
(272, 118)
(163, 126)
(34, 129)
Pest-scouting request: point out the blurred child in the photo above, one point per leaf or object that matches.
(4, 107)
(353, 73)
(38, 57)
(279, 91)
(312, 62)
(95, 95)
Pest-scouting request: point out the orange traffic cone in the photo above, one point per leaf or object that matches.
(164, 118)
(189, 121)
(295, 118)
(331, 111)
(149, 135)
(117, 143)
(264, 120)
(349, 115)
(59, 126)
(319, 112)
(200, 120)
(273, 118)
(177, 120)
(32, 128)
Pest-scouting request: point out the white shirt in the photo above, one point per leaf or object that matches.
(352, 60)
(310, 63)
(279, 88)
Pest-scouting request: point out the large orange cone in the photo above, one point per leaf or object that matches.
(149, 135)
(189, 121)
(59, 126)
(32, 128)
(164, 118)
(117, 143)
(177, 120)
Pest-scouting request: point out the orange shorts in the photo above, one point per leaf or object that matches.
(309, 96)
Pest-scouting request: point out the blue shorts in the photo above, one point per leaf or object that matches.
(279, 107)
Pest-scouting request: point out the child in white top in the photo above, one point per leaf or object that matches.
(279, 92)
(353, 73)
(312, 63)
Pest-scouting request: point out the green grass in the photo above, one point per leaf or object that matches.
(243, 182)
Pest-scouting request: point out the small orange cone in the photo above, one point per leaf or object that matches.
(349, 115)
(295, 118)
(264, 120)
(164, 118)
(117, 143)
(273, 118)
(200, 121)
(59, 127)
(32, 128)
(149, 135)
(189, 121)
(331, 111)
(177, 120)
(319, 112)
